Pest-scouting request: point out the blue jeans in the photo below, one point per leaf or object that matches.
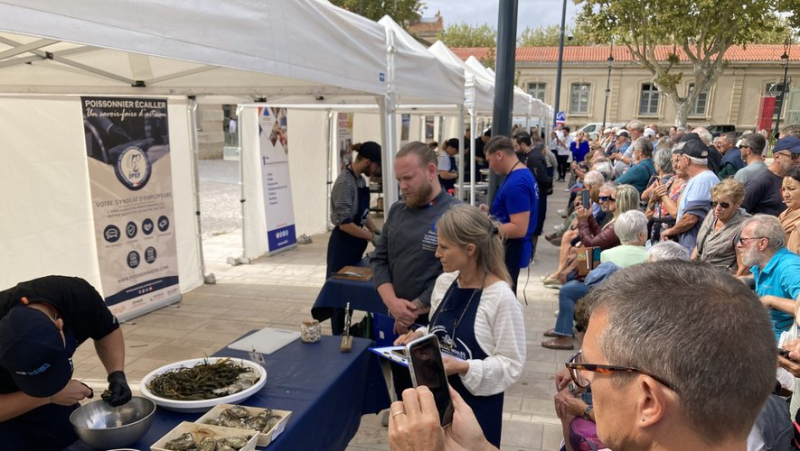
(568, 295)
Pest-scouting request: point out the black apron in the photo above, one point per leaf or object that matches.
(453, 323)
(345, 250)
(43, 428)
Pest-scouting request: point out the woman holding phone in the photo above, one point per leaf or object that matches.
(475, 315)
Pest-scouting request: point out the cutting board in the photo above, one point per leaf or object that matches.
(265, 341)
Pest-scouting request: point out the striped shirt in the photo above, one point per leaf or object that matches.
(344, 197)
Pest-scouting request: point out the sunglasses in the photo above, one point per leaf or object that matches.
(606, 199)
(721, 204)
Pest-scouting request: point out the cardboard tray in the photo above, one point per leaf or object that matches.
(354, 273)
(201, 431)
(266, 436)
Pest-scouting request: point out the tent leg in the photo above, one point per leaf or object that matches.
(473, 126)
(233, 261)
(209, 279)
(331, 149)
(461, 152)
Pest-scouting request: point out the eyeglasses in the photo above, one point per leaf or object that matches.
(721, 204)
(787, 154)
(606, 199)
(742, 239)
(577, 369)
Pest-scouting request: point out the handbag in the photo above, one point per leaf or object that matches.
(583, 435)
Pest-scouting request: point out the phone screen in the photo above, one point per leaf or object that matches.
(427, 368)
(586, 201)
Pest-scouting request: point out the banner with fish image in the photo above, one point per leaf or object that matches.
(127, 144)
(274, 145)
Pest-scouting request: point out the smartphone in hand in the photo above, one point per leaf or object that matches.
(427, 368)
(586, 200)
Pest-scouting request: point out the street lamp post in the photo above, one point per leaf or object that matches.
(785, 63)
(608, 83)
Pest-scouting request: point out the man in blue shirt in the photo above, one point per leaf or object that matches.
(639, 175)
(515, 204)
(775, 269)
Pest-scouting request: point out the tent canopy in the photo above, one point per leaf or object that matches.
(521, 99)
(306, 46)
(479, 92)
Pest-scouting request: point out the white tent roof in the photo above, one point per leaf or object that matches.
(521, 99)
(483, 92)
(418, 72)
(306, 46)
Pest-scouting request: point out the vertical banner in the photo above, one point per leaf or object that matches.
(405, 128)
(273, 141)
(429, 128)
(344, 133)
(127, 144)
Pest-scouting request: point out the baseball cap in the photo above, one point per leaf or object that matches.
(452, 142)
(488, 131)
(624, 133)
(790, 143)
(32, 350)
(371, 151)
(693, 148)
(649, 132)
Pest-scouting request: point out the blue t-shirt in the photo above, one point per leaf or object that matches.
(517, 194)
(780, 277)
(579, 151)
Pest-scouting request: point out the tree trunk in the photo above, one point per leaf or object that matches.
(681, 111)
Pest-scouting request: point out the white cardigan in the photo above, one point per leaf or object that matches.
(500, 333)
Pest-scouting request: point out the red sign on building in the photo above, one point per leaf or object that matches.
(766, 109)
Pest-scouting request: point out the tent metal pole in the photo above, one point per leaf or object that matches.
(460, 151)
(329, 174)
(472, 134)
(209, 279)
(389, 111)
(243, 259)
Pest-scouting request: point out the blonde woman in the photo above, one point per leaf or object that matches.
(475, 315)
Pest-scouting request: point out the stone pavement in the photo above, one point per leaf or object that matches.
(279, 292)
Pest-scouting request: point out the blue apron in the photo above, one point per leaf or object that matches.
(43, 428)
(448, 185)
(453, 323)
(345, 250)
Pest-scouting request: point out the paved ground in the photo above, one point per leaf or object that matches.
(279, 292)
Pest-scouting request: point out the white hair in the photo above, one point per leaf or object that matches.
(704, 135)
(667, 250)
(605, 168)
(593, 178)
(630, 225)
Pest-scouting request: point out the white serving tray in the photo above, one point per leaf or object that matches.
(265, 341)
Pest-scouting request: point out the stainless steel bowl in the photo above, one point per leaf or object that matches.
(104, 427)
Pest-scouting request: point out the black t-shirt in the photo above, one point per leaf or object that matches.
(762, 194)
(81, 307)
(535, 161)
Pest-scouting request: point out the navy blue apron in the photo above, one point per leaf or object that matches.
(346, 250)
(453, 323)
(44, 428)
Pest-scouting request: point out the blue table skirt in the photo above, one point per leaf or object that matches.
(326, 390)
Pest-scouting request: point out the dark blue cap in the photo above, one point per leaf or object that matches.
(32, 350)
(371, 151)
(790, 143)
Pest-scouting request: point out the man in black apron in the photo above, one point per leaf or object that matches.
(42, 322)
(353, 228)
(448, 166)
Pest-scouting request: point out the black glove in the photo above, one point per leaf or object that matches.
(118, 392)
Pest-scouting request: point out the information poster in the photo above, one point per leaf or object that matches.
(127, 143)
(344, 132)
(273, 141)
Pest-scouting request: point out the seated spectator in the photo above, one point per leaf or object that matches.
(790, 218)
(639, 174)
(763, 191)
(592, 181)
(667, 250)
(623, 151)
(647, 362)
(631, 230)
(715, 240)
(475, 315)
(776, 270)
(663, 194)
(613, 200)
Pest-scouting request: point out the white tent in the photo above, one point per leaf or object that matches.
(51, 52)
(522, 101)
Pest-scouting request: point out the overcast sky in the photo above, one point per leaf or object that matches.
(532, 13)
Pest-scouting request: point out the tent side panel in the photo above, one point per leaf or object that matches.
(308, 166)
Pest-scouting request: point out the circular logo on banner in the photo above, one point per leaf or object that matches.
(163, 223)
(131, 229)
(150, 255)
(111, 233)
(133, 168)
(133, 259)
(147, 226)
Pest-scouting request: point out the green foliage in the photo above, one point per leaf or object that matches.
(548, 36)
(702, 29)
(465, 35)
(402, 11)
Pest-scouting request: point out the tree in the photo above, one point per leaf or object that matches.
(465, 35)
(702, 30)
(402, 11)
(548, 36)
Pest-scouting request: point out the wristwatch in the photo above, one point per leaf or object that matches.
(571, 387)
(587, 413)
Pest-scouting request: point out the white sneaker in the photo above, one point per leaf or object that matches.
(562, 213)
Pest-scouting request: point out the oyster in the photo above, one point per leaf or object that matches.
(272, 421)
(235, 442)
(182, 443)
(208, 444)
(235, 413)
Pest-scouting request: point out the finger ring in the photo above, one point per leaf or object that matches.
(398, 413)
